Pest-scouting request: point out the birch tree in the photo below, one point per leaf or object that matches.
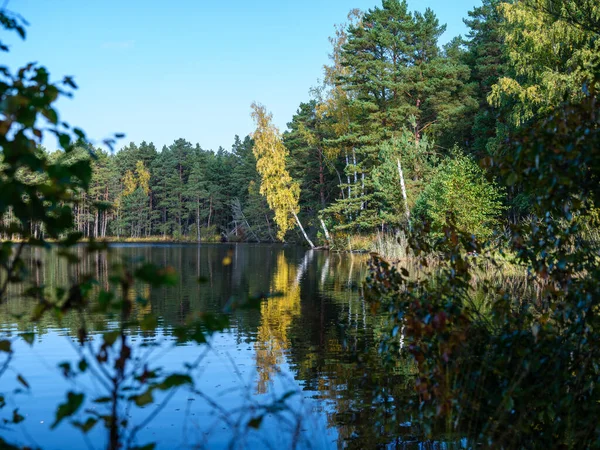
(276, 184)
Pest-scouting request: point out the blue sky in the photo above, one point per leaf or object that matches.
(161, 70)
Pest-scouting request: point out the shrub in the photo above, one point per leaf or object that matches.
(460, 191)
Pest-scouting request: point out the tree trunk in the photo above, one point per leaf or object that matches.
(340, 181)
(269, 227)
(209, 211)
(198, 219)
(362, 177)
(354, 164)
(302, 229)
(348, 177)
(326, 232)
(149, 230)
(402, 185)
(321, 179)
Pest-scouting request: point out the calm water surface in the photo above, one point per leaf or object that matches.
(316, 339)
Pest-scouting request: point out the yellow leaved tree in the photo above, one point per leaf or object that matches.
(276, 184)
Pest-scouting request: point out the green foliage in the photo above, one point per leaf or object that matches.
(551, 55)
(521, 370)
(459, 194)
(395, 76)
(486, 56)
(67, 409)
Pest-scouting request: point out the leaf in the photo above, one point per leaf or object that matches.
(72, 239)
(17, 418)
(51, 115)
(23, 381)
(143, 399)
(21, 31)
(28, 337)
(64, 140)
(156, 276)
(83, 365)
(66, 369)
(149, 323)
(70, 82)
(110, 337)
(151, 446)
(5, 346)
(87, 425)
(102, 400)
(67, 409)
(175, 380)
(255, 422)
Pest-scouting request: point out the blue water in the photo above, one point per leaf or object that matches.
(296, 344)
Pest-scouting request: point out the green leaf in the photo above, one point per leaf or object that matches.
(17, 418)
(51, 115)
(175, 380)
(83, 365)
(23, 381)
(64, 140)
(143, 399)
(28, 337)
(110, 337)
(149, 323)
(67, 409)
(87, 425)
(72, 239)
(66, 369)
(155, 276)
(144, 447)
(255, 422)
(5, 346)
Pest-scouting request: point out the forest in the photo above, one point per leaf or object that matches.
(399, 129)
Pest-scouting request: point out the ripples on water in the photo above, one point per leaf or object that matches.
(316, 339)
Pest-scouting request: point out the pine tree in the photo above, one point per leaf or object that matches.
(196, 192)
(396, 77)
(308, 161)
(487, 60)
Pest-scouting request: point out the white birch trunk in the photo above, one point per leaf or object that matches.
(348, 176)
(362, 176)
(327, 236)
(354, 163)
(403, 186)
(302, 229)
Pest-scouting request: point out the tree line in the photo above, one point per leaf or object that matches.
(396, 131)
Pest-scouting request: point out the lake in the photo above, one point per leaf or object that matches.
(314, 343)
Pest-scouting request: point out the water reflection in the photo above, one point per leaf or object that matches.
(317, 334)
(272, 339)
